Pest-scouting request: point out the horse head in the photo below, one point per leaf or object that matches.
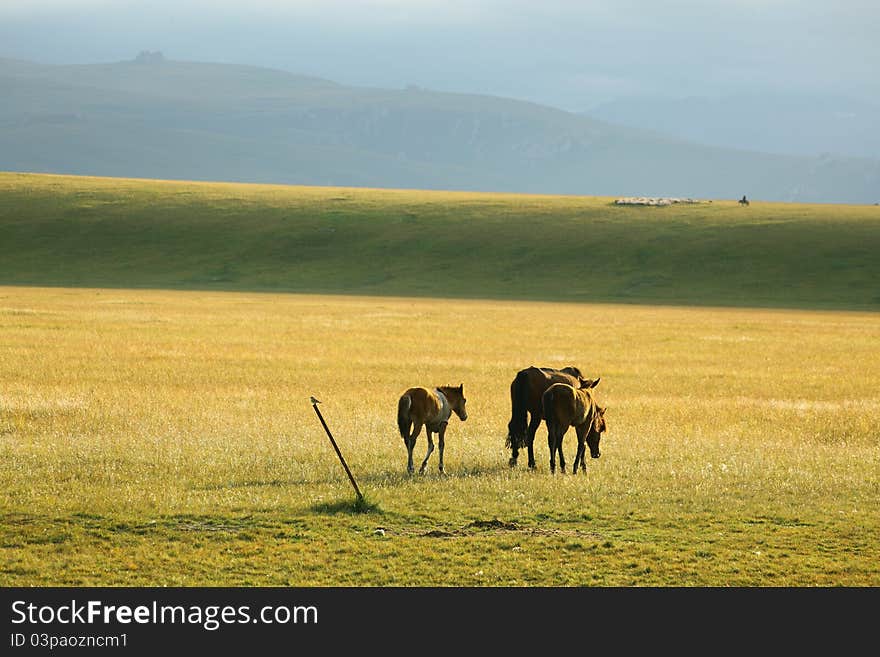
(457, 401)
(587, 384)
(597, 428)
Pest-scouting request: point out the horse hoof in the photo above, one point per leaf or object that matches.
(512, 463)
(532, 466)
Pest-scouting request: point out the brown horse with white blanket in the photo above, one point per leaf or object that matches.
(566, 406)
(431, 408)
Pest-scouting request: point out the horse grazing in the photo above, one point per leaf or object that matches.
(564, 407)
(432, 408)
(526, 409)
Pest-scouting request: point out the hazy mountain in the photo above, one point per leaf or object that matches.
(778, 123)
(184, 120)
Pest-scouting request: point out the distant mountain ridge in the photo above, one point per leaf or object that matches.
(797, 124)
(157, 118)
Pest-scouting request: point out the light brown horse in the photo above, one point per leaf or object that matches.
(526, 390)
(566, 406)
(432, 408)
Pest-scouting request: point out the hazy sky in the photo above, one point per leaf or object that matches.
(565, 53)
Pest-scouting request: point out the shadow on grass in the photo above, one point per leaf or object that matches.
(250, 483)
(357, 505)
(432, 474)
(382, 478)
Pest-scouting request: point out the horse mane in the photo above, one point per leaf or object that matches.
(447, 390)
(595, 409)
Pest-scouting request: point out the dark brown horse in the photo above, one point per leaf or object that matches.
(564, 407)
(527, 412)
(431, 408)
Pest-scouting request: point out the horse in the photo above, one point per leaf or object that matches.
(525, 400)
(743, 200)
(430, 407)
(566, 406)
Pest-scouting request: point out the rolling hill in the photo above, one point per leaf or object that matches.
(153, 118)
(111, 232)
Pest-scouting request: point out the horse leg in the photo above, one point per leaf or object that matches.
(514, 452)
(407, 432)
(534, 423)
(410, 444)
(559, 449)
(551, 444)
(580, 457)
(430, 449)
(441, 435)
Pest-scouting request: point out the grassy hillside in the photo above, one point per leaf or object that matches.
(201, 121)
(75, 231)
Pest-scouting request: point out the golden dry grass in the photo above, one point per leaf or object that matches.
(151, 438)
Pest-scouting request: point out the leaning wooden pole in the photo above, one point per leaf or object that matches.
(357, 490)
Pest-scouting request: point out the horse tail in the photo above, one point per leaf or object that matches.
(519, 395)
(403, 406)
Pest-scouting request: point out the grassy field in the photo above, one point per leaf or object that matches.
(166, 438)
(105, 232)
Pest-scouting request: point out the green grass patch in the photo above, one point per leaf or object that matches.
(105, 232)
